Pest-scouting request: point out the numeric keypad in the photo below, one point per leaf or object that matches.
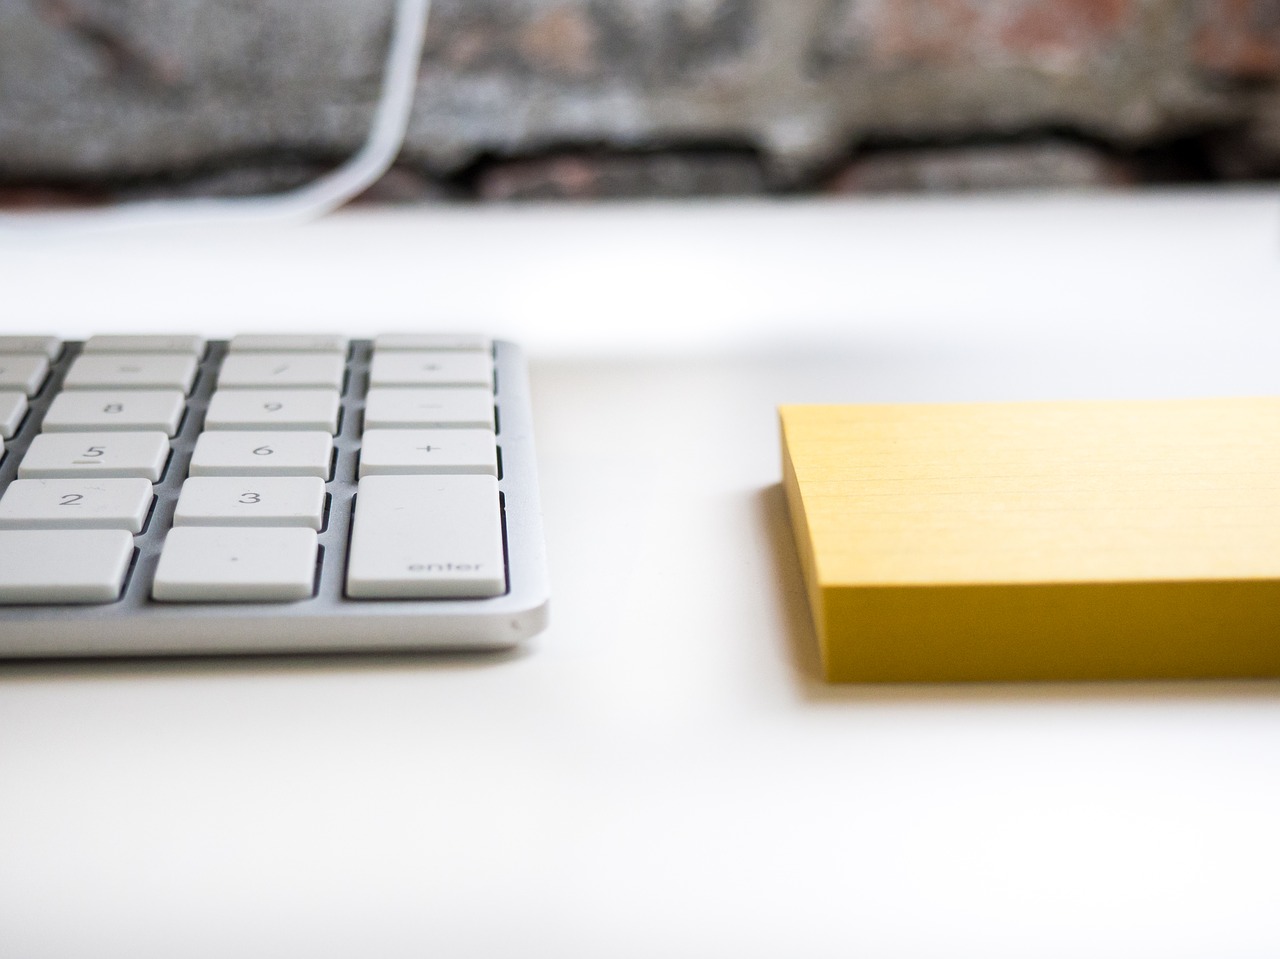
(160, 494)
(269, 470)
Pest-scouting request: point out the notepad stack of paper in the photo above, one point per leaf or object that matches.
(1091, 540)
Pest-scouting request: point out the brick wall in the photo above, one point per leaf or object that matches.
(584, 98)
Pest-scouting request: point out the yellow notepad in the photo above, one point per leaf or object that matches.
(1016, 541)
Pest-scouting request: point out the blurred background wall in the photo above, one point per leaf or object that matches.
(104, 99)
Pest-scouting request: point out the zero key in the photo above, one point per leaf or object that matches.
(63, 565)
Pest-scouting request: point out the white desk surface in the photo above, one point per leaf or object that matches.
(661, 773)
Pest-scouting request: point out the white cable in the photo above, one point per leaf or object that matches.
(314, 199)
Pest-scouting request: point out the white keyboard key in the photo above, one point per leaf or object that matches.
(420, 537)
(80, 410)
(88, 503)
(63, 565)
(273, 410)
(385, 452)
(250, 501)
(288, 343)
(139, 371)
(431, 369)
(463, 342)
(262, 453)
(13, 407)
(190, 345)
(209, 564)
(24, 372)
(428, 408)
(49, 346)
(71, 455)
(294, 370)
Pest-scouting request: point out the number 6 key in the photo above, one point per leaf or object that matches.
(265, 453)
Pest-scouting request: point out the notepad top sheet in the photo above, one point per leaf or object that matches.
(1038, 492)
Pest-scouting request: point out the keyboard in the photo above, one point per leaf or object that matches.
(164, 495)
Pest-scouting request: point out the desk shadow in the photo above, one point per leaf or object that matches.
(802, 652)
(264, 664)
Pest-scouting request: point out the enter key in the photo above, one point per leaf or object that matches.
(427, 537)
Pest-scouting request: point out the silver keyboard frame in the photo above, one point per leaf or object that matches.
(329, 621)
